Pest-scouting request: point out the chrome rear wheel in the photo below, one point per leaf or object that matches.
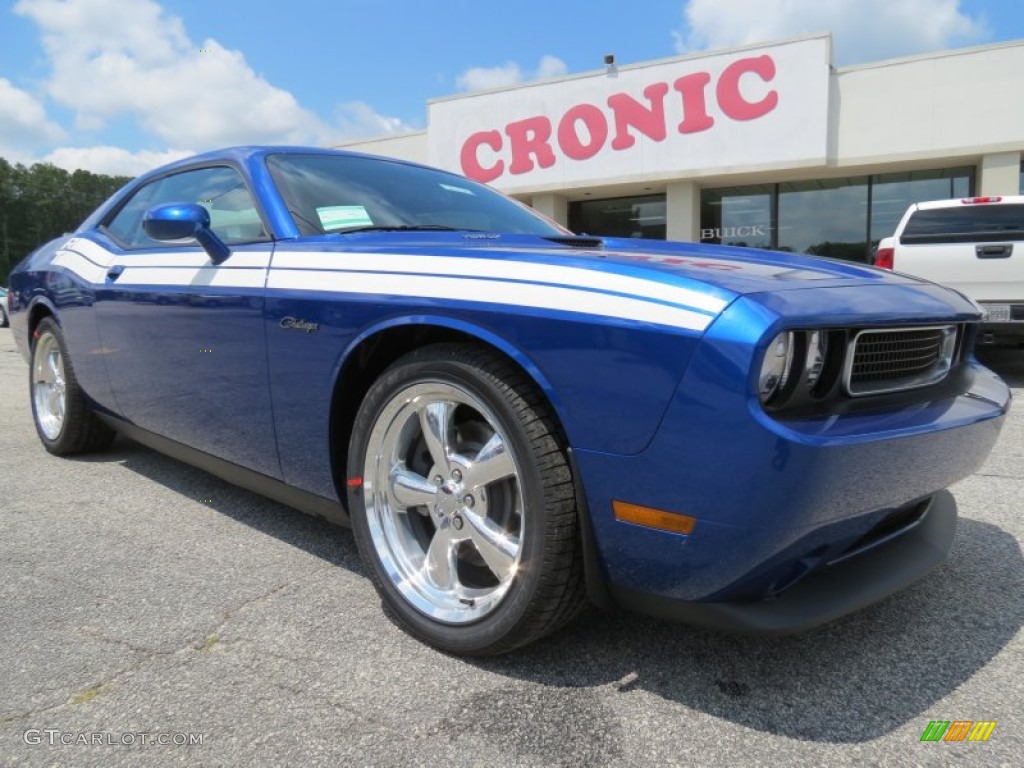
(63, 415)
(49, 388)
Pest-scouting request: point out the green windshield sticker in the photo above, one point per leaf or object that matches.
(460, 190)
(340, 216)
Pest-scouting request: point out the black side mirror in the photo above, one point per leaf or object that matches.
(180, 221)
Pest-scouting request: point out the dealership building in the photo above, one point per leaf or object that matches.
(768, 146)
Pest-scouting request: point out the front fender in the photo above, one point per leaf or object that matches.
(522, 359)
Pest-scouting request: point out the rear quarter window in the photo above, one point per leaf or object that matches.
(966, 224)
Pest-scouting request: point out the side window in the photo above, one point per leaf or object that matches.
(127, 224)
(221, 190)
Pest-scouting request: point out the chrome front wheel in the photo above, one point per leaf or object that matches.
(462, 501)
(443, 501)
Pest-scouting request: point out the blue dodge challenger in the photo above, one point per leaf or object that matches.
(512, 418)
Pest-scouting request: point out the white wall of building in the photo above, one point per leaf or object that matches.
(952, 104)
(404, 146)
(953, 108)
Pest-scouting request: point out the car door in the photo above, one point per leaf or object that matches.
(184, 339)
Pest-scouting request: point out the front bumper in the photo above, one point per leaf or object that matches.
(838, 588)
(778, 501)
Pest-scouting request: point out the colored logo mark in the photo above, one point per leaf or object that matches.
(958, 730)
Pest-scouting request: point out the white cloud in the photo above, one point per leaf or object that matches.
(23, 121)
(358, 120)
(550, 66)
(115, 58)
(112, 160)
(509, 73)
(866, 30)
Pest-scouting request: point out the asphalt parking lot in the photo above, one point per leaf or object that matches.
(142, 598)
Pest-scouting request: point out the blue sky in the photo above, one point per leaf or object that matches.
(119, 86)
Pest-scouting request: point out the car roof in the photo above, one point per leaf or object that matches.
(244, 154)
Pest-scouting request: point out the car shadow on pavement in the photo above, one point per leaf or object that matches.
(850, 681)
(312, 534)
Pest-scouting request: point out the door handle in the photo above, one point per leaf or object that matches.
(115, 272)
(993, 251)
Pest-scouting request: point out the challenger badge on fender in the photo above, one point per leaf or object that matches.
(295, 324)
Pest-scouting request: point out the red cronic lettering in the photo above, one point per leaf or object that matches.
(728, 90)
(630, 113)
(695, 112)
(530, 137)
(569, 138)
(471, 157)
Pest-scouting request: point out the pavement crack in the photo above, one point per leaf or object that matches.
(227, 616)
(32, 713)
(139, 649)
(146, 654)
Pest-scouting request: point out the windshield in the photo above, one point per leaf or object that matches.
(339, 193)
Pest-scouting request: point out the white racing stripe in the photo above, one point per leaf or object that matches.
(91, 261)
(553, 298)
(89, 250)
(195, 277)
(174, 258)
(551, 274)
(513, 283)
(81, 266)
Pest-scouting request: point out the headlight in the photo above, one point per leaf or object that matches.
(777, 365)
(817, 347)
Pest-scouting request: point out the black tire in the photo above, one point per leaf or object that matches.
(80, 431)
(4, 322)
(545, 589)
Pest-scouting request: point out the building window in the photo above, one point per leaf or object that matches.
(893, 193)
(824, 218)
(738, 216)
(841, 218)
(620, 217)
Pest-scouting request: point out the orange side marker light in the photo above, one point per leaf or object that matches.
(653, 518)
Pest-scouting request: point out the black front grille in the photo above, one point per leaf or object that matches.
(889, 360)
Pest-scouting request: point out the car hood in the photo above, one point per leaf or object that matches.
(725, 271)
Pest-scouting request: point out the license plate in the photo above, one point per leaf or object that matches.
(996, 313)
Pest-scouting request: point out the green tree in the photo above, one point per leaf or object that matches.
(41, 202)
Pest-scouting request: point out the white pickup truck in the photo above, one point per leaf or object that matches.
(975, 245)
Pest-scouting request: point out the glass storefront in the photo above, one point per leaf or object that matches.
(738, 216)
(824, 218)
(892, 194)
(620, 217)
(841, 218)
